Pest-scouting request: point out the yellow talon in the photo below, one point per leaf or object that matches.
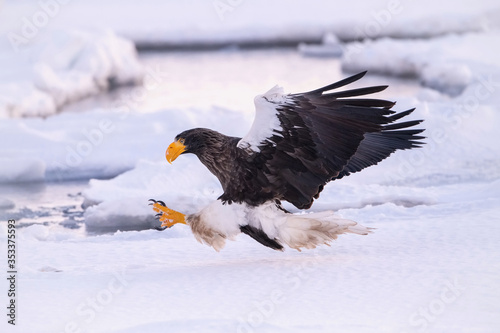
(168, 217)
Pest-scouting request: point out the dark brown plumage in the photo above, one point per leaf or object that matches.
(322, 136)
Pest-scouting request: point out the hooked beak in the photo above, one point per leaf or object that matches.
(174, 150)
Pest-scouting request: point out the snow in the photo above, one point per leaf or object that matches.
(218, 222)
(330, 47)
(100, 144)
(424, 269)
(90, 57)
(431, 264)
(200, 22)
(21, 169)
(6, 203)
(448, 64)
(403, 178)
(66, 66)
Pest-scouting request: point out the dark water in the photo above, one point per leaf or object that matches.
(43, 203)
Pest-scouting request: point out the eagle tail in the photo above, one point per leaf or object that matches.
(314, 229)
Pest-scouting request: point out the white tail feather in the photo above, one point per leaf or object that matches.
(310, 230)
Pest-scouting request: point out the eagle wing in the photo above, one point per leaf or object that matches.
(300, 142)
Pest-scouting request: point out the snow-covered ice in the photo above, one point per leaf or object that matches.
(432, 263)
(64, 67)
(429, 268)
(448, 64)
(330, 47)
(97, 143)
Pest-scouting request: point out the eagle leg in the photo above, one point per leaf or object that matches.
(167, 216)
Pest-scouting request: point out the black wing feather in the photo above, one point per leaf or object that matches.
(327, 136)
(356, 92)
(336, 85)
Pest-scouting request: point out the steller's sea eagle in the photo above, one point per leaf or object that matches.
(297, 144)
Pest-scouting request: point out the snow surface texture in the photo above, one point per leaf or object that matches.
(65, 67)
(99, 143)
(427, 268)
(432, 264)
(266, 121)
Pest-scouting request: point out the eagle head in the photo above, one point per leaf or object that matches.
(191, 141)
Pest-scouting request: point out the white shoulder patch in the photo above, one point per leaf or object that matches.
(275, 95)
(266, 118)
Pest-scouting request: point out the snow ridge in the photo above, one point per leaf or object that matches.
(67, 67)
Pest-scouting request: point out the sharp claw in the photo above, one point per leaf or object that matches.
(161, 228)
(157, 216)
(153, 202)
(161, 203)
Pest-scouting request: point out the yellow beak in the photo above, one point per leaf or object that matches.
(174, 150)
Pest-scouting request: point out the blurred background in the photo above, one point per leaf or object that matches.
(92, 92)
(72, 70)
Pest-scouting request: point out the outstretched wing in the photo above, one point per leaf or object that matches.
(302, 141)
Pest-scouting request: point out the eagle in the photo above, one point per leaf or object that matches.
(296, 145)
